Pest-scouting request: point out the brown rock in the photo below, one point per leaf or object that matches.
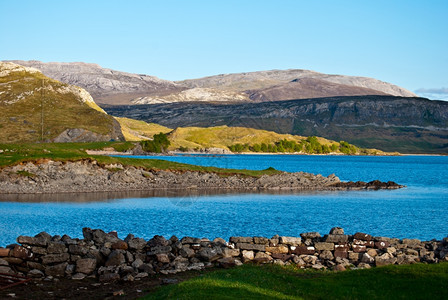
(336, 238)
(385, 259)
(262, 257)
(382, 245)
(310, 235)
(109, 277)
(368, 244)
(56, 270)
(13, 260)
(4, 252)
(362, 236)
(21, 252)
(324, 246)
(303, 250)
(339, 268)
(163, 258)
(282, 256)
(326, 255)
(278, 249)
(248, 255)
(241, 239)
(246, 246)
(55, 248)
(115, 258)
(354, 256)
(372, 252)
(121, 245)
(336, 230)
(85, 265)
(261, 240)
(228, 252)
(227, 262)
(359, 248)
(55, 258)
(292, 241)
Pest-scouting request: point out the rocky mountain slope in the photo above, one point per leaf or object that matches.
(34, 107)
(114, 87)
(105, 85)
(407, 125)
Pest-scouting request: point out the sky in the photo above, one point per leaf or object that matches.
(401, 42)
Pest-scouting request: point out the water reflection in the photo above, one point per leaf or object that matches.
(179, 197)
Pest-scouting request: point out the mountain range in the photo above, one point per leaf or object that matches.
(120, 88)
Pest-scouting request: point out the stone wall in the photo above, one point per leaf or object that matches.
(105, 256)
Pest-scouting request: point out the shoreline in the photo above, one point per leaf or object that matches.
(47, 177)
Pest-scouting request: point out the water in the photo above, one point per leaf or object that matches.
(417, 211)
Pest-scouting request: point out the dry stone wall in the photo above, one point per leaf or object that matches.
(107, 257)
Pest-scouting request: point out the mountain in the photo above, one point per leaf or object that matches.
(35, 108)
(403, 124)
(112, 87)
(265, 79)
(105, 85)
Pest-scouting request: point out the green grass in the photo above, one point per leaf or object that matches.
(418, 281)
(19, 153)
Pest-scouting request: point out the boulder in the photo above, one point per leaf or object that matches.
(336, 238)
(324, 246)
(3, 262)
(292, 241)
(115, 258)
(262, 257)
(326, 255)
(135, 243)
(382, 244)
(362, 236)
(56, 270)
(21, 252)
(227, 262)
(4, 252)
(163, 258)
(336, 230)
(56, 248)
(310, 235)
(86, 265)
(302, 249)
(247, 255)
(247, 246)
(241, 239)
(228, 252)
(279, 249)
(210, 254)
(385, 259)
(261, 240)
(158, 241)
(120, 245)
(366, 258)
(35, 273)
(55, 258)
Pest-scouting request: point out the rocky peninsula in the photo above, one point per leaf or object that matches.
(88, 175)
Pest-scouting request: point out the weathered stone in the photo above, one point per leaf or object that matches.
(302, 249)
(310, 235)
(158, 241)
(246, 246)
(210, 254)
(42, 238)
(274, 241)
(35, 273)
(135, 243)
(55, 258)
(3, 262)
(122, 245)
(163, 258)
(385, 259)
(336, 230)
(4, 252)
(227, 262)
(339, 268)
(6, 270)
(309, 259)
(359, 248)
(141, 275)
(363, 265)
(219, 241)
(354, 256)
(147, 268)
(21, 252)
(28, 240)
(341, 253)
(318, 266)
(228, 252)
(279, 249)
(298, 261)
(411, 243)
(368, 244)
(411, 252)
(159, 249)
(372, 252)
(86, 265)
(13, 260)
(115, 258)
(56, 270)
(79, 276)
(362, 236)
(336, 238)
(39, 250)
(262, 257)
(261, 240)
(324, 246)
(187, 252)
(109, 277)
(247, 255)
(241, 239)
(196, 266)
(70, 269)
(56, 247)
(382, 245)
(190, 240)
(78, 249)
(35, 265)
(196, 246)
(282, 256)
(366, 258)
(292, 241)
(326, 255)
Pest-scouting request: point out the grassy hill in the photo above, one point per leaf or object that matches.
(36, 108)
(135, 130)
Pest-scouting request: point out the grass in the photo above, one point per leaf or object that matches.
(62, 109)
(135, 130)
(417, 281)
(19, 153)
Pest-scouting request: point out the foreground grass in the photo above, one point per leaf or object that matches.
(418, 281)
(19, 153)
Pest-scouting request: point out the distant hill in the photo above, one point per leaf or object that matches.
(105, 85)
(406, 125)
(120, 88)
(36, 108)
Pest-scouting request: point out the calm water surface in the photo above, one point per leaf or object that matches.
(418, 211)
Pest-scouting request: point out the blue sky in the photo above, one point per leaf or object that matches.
(402, 42)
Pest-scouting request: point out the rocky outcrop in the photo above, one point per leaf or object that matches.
(105, 85)
(108, 258)
(406, 125)
(48, 176)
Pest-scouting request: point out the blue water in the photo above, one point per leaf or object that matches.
(418, 211)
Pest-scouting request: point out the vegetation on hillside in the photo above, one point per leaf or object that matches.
(158, 144)
(419, 281)
(12, 154)
(135, 130)
(34, 107)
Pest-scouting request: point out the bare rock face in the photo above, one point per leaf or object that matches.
(105, 85)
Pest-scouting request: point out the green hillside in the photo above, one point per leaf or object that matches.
(36, 108)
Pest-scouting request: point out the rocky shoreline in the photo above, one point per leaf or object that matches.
(47, 176)
(105, 257)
